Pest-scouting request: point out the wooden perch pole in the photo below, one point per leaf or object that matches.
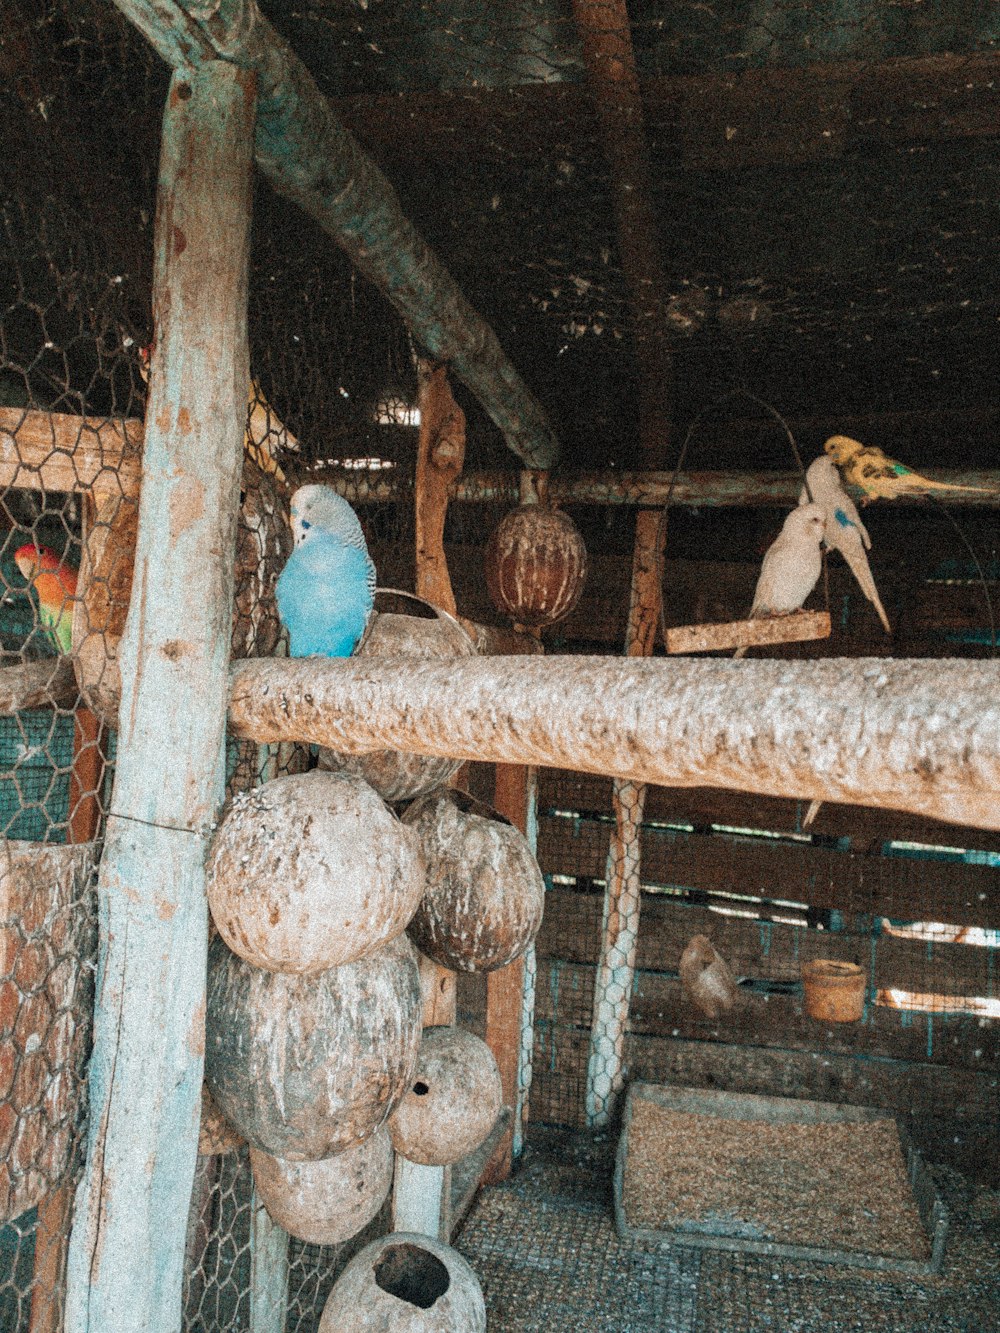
(905, 734)
(127, 1245)
(309, 156)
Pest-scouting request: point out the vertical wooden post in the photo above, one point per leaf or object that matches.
(268, 1271)
(127, 1244)
(421, 1194)
(622, 894)
(505, 986)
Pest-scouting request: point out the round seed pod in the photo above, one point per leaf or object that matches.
(406, 1283)
(394, 775)
(328, 1202)
(536, 565)
(453, 1101)
(312, 871)
(306, 1067)
(484, 897)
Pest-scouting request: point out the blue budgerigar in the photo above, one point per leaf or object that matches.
(326, 591)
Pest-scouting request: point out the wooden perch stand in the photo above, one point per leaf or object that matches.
(795, 628)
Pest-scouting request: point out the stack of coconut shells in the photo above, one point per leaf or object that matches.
(320, 885)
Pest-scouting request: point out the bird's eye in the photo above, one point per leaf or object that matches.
(306, 525)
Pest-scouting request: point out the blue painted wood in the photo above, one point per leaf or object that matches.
(268, 1271)
(310, 157)
(127, 1244)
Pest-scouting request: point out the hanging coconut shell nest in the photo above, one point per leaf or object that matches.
(536, 565)
(422, 631)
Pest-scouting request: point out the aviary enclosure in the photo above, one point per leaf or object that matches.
(620, 271)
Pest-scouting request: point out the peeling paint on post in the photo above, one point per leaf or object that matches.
(127, 1245)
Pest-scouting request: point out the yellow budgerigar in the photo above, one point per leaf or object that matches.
(878, 475)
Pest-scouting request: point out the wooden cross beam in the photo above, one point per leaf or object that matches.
(903, 734)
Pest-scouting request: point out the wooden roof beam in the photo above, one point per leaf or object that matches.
(767, 116)
(52, 451)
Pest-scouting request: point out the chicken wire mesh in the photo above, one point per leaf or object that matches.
(839, 257)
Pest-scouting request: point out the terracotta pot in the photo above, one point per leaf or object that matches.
(405, 1283)
(327, 1202)
(453, 1101)
(310, 872)
(484, 898)
(394, 775)
(306, 1067)
(834, 991)
(536, 565)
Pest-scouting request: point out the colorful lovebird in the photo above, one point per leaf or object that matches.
(326, 591)
(791, 567)
(881, 477)
(54, 582)
(844, 530)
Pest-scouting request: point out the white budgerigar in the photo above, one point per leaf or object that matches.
(844, 530)
(326, 591)
(791, 567)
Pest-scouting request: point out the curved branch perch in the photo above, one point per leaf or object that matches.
(914, 735)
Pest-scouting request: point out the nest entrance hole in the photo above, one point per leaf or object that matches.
(412, 1274)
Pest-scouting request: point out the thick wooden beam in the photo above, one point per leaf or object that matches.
(127, 1245)
(54, 451)
(776, 116)
(902, 734)
(310, 157)
(59, 452)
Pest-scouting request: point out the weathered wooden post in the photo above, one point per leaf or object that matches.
(127, 1245)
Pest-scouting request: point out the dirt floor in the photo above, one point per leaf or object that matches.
(545, 1249)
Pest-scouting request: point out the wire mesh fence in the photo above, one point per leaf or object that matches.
(825, 232)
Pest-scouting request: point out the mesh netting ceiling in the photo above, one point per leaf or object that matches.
(823, 181)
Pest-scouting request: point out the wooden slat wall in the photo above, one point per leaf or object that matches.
(899, 887)
(939, 1070)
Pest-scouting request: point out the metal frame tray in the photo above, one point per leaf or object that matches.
(777, 1110)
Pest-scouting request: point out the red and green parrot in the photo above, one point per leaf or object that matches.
(54, 582)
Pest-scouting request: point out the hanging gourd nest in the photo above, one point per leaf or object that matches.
(326, 1202)
(422, 631)
(482, 905)
(310, 871)
(302, 1067)
(791, 569)
(536, 564)
(453, 1102)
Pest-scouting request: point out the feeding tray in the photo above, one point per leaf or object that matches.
(776, 1176)
(797, 627)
